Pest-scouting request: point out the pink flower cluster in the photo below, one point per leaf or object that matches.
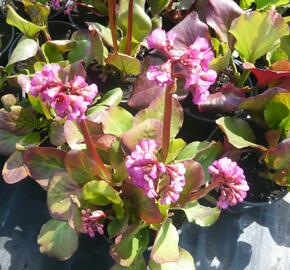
(145, 171)
(192, 64)
(90, 222)
(233, 186)
(68, 98)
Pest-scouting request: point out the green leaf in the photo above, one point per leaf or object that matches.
(29, 140)
(14, 169)
(61, 190)
(185, 262)
(258, 33)
(116, 121)
(73, 135)
(80, 166)
(175, 146)
(100, 193)
(277, 112)
(26, 27)
(148, 129)
(157, 6)
(125, 63)
(56, 134)
(24, 50)
(141, 22)
(51, 53)
(238, 132)
(57, 239)
(43, 162)
(103, 31)
(116, 226)
(223, 56)
(111, 98)
(192, 149)
(165, 247)
(81, 51)
(278, 157)
(138, 264)
(35, 102)
(156, 111)
(133, 243)
(201, 215)
(62, 46)
(37, 12)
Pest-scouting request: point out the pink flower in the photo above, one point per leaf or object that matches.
(145, 172)
(143, 167)
(176, 174)
(160, 74)
(69, 99)
(161, 40)
(55, 4)
(90, 222)
(234, 186)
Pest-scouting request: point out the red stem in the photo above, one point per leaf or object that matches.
(197, 195)
(130, 25)
(112, 22)
(170, 89)
(103, 171)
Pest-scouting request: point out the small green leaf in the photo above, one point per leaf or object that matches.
(80, 166)
(258, 33)
(116, 226)
(185, 262)
(277, 112)
(57, 239)
(156, 111)
(125, 63)
(116, 121)
(138, 264)
(111, 98)
(60, 189)
(165, 247)
(157, 5)
(24, 50)
(192, 149)
(134, 242)
(26, 27)
(100, 193)
(201, 215)
(43, 162)
(51, 53)
(238, 132)
(176, 145)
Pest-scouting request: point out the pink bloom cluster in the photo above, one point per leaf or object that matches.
(68, 98)
(90, 222)
(233, 186)
(192, 64)
(145, 170)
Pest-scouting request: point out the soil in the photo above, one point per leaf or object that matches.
(261, 189)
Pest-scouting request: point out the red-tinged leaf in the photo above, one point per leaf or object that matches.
(104, 141)
(256, 104)
(129, 245)
(273, 137)
(278, 157)
(61, 190)
(226, 99)
(165, 248)
(195, 178)
(43, 183)
(18, 120)
(145, 91)
(80, 166)
(14, 169)
(220, 15)
(187, 31)
(266, 76)
(144, 206)
(56, 134)
(148, 129)
(43, 162)
(8, 141)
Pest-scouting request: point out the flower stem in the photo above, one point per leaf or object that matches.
(112, 22)
(197, 195)
(244, 77)
(129, 30)
(103, 171)
(170, 89)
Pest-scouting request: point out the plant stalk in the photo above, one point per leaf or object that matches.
(112, 22)
(197, 195)
(103, 171)
(130, 26)
(244, 77)
(170, 89)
